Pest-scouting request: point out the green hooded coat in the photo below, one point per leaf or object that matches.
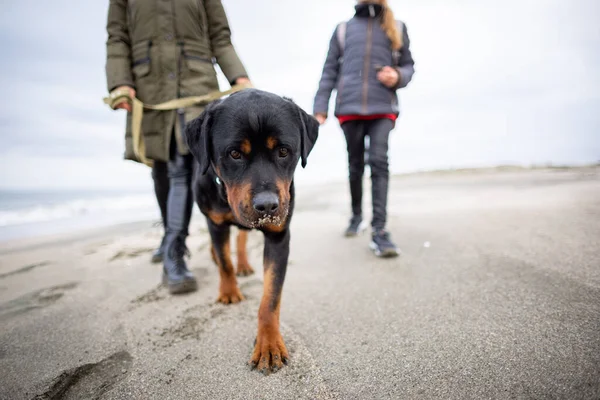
(165, 49)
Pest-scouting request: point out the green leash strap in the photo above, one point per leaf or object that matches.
(137, 111)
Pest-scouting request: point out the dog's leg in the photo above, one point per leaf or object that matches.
(243, 267)
(270, 352)
(213, 254)
(229, 292)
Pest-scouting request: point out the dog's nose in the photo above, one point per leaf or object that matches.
(266, 202)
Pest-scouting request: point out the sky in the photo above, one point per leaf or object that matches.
(509, 82)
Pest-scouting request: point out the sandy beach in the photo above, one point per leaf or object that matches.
(496, 295)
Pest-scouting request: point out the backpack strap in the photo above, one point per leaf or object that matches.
(396, 53)
(341, 38)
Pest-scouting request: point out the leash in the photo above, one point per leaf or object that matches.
(137, 111)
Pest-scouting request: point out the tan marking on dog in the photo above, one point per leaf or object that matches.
(246, 147)
(229, 292)
(239, 196)
(271, 142)
(219, 218)
(243, 266)
(270, 351)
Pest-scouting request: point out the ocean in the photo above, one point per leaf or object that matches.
(36, 213)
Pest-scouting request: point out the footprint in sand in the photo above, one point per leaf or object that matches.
(131, 253)
(89, 381)
(250, 284)
(31, 301)
(24, 269)
(160, 292)
(193, 323)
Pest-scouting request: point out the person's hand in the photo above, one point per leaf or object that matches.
(321, 118)
(125, 105)
(242, 81)
(388, 76)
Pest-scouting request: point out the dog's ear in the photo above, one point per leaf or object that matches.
(309, 131)
(198, 136)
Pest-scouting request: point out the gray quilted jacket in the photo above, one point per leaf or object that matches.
(358, 90)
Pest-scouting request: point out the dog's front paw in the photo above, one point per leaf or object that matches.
(230, 293)
(244, 269)
(270, 353)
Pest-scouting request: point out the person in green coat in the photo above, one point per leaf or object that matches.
(159, 51)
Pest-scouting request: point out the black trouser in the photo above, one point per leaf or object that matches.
(161, 188)
(180, 195)
(378, 131)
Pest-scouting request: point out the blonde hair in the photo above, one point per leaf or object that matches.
(388, 23)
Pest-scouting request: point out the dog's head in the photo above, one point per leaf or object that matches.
(254, 140)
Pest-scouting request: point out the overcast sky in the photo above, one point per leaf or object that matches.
(513, 81)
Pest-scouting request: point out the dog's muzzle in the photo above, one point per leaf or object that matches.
(267, 210)
(265, 203)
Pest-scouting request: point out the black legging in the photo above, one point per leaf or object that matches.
(180, 199)
(378, 131)
(172, 187)
(161, 188)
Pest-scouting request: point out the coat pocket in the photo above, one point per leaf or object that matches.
(140, 53)
(197, 56)
(198, 63)
(198, 76)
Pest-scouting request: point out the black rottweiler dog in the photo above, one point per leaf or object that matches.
(247, 147)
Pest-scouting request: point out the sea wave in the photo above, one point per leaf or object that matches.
(98, 207)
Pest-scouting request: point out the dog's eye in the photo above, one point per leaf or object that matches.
(236, 155)
(283, 152)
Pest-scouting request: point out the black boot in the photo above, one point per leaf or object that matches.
(176, 275)
(158, 255)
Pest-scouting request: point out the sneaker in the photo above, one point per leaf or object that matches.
(382, 246)
(355, 227)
